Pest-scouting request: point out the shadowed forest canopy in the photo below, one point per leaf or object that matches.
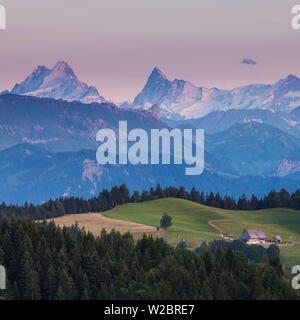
(46, 262)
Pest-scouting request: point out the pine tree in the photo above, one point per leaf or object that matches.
(136, 197)
(166, 221)
(159, 192)
(284, 198)
(182, 193)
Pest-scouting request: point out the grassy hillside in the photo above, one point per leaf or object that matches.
(190, 221)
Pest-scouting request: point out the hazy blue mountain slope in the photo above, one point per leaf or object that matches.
(58, 125)
(254, 148)
(217, 121)
(29, 173)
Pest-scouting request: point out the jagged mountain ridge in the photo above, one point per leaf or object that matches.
(178, 99)
(184, 99)
(60, 82)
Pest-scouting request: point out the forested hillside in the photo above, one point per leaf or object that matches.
(45, 262)
(107, 200)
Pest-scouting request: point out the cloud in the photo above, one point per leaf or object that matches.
(248, 61)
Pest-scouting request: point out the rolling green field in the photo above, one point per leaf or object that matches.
(190, 221)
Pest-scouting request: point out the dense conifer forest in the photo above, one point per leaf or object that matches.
(46, 262)
(107, 200)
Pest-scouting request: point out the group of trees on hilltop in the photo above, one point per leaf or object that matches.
(46, 262)
(107, 200)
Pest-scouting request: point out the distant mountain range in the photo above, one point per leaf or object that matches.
(182, 99)
(49, 122)
(178, 99)
(33, 174)
(49, 150)
(60, 82)
(256, 149)
(217, 121)
(58, 125)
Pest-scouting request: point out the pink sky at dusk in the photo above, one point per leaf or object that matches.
(114, 44)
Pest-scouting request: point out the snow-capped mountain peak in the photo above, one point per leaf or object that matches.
(184, 99)
(157, 73)
(60, 82)
(39, 69)
(62, 67)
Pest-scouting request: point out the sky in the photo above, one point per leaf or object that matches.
(114, 44)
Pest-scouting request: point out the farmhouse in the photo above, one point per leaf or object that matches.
(253, 236)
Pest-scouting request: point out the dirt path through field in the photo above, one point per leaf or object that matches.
(211, 223)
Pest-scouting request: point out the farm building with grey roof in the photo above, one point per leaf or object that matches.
(253, 236)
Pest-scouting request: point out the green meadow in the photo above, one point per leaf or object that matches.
(190, 222)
